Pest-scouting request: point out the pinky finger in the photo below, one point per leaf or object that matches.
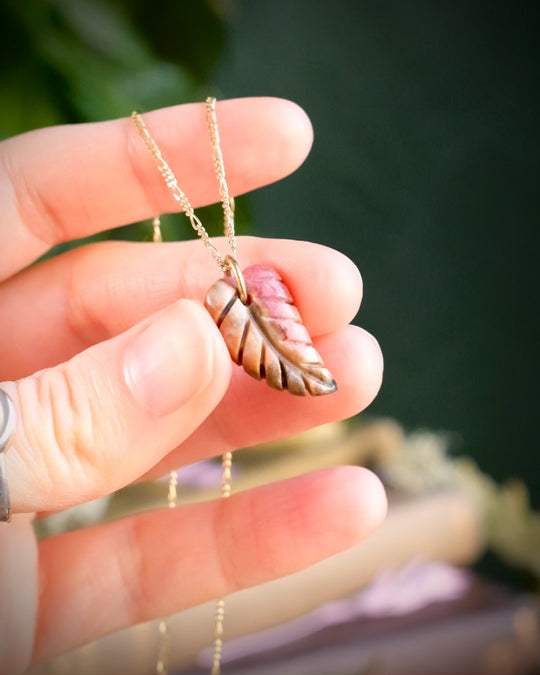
(105, 578)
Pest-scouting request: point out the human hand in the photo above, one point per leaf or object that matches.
(117, 371)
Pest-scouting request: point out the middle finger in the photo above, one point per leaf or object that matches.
(96, 292)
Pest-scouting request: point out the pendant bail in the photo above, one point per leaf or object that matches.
(233, 269)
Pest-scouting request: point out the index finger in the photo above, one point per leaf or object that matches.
(67, 182)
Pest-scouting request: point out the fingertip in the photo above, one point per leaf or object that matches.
(343, 282)
(373, 361)
(355, 358)
(296, 130)
(341, 506)
(207, 331)
(269, 137)
(174, 357)
(210, 339)
(364, 499)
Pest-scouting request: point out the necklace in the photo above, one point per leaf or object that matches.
(259, 322)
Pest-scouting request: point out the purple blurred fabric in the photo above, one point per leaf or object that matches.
(426, 619)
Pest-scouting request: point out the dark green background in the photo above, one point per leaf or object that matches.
(425, 172)
(424, 169)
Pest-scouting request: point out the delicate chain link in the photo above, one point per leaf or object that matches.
(219, 615)
(156, 230)
(164, 631)
(179, 195)
(164, 645)
(227, 203)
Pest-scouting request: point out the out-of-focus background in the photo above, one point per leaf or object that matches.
(425, 171)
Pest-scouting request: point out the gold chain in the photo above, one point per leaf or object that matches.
(164, 630)
(171, 182)
(229, 266)
(227, 202)
(164, 633)
(156, 230)
(219, 615)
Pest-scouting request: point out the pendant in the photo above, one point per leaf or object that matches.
(264, 333)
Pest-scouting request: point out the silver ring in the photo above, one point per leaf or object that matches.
(7, 424)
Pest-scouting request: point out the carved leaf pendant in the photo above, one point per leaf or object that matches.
(266, 335)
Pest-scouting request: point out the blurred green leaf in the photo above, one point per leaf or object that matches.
(190, 32)
(86, 60)
(103, 29)
(28, 107)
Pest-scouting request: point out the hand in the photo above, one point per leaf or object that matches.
(117, 371)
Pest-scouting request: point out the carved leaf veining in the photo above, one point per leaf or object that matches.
(266, 336)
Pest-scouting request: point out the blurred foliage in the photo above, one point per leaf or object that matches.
(69, 61)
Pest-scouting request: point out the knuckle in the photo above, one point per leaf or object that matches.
(82, 317)
(242, 561)
(228, 571)
(35, 212)
(63, 425)
(132, 574)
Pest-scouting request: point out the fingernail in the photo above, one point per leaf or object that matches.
(171, 361)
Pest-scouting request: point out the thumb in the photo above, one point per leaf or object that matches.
(100, 420)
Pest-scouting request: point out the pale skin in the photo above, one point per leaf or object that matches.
(117, 372)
